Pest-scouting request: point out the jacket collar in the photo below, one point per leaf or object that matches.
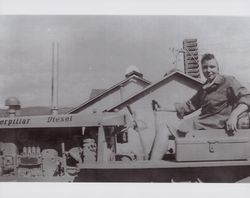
(217, 81)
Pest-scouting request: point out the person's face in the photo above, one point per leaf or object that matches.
(210, 69)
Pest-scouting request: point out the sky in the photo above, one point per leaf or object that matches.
(95, 50)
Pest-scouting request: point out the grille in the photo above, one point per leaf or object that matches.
(29, 161)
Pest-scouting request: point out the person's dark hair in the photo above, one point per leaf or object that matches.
(206, 57)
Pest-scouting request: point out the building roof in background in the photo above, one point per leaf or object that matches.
(147, 90)
(98, 95)
(96, 92)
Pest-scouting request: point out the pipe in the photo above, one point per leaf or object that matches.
(55, 78)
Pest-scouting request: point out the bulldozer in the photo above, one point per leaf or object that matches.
(83, 148)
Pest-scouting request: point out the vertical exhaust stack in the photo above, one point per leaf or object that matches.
(55, 78)
(191, 58)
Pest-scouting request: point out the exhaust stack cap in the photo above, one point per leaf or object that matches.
(12, 101)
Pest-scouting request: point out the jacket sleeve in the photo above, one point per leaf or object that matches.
(190, 106)
(240, 94)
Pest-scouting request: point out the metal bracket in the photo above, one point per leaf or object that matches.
(211, 146)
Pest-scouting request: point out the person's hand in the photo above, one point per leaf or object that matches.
(155, 105)
(180, 115)
(179, 111)
(231, 124)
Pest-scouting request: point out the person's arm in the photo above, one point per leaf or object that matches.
(242, 98)
(189, 107)
(231, 124)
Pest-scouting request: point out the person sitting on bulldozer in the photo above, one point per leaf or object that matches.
(221, 100)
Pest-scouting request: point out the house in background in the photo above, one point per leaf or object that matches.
(100, 99)
(173, 88)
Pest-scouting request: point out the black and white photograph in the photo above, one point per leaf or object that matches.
(139, 98)
(125, 98)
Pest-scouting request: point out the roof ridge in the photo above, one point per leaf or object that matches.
(107, 91)
(153, 85)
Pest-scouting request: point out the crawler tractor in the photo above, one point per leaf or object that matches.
(83, 148)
